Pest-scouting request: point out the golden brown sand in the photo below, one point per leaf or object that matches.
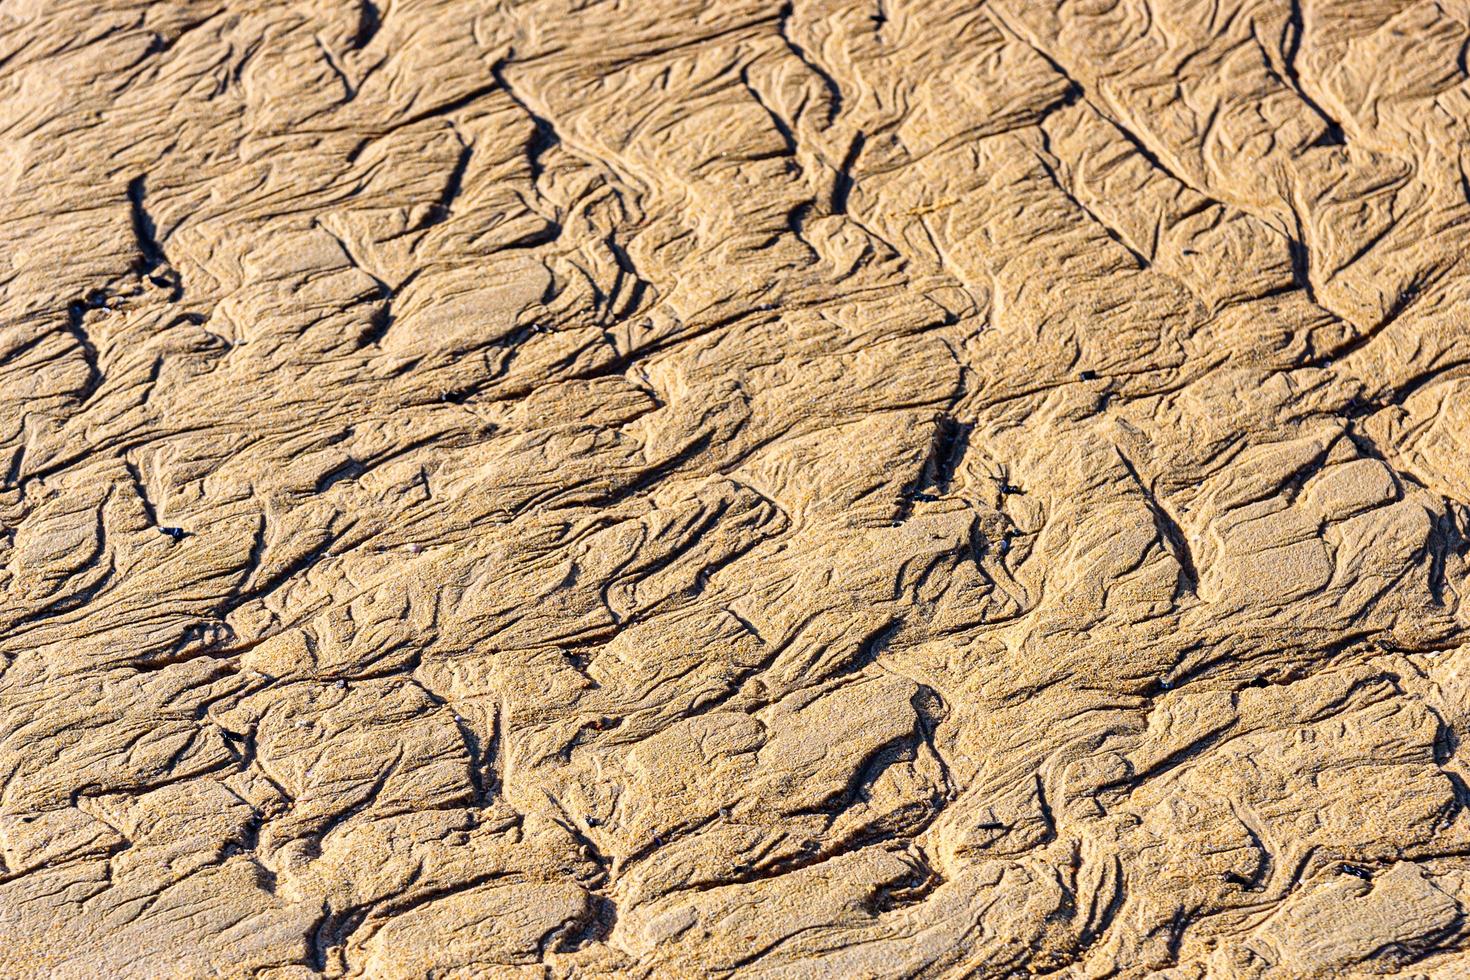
(869, 490)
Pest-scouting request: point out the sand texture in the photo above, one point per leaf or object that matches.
(874, 489)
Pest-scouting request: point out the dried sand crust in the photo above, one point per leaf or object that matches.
(898, 489)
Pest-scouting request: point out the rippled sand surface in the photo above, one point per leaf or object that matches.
(900, 488)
